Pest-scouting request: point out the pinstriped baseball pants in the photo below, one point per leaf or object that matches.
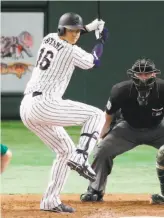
(46, 117)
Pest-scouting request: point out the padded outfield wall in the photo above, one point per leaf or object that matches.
(136, 29)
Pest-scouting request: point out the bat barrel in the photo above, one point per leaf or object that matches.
(98, 10)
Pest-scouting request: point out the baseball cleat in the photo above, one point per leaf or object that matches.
(157, 199)
(89, 197)
(84, 171)
(92, 195)
(62, 208)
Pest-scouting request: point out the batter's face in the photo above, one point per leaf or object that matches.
(72, 36)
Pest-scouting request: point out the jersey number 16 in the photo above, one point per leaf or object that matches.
(44, 61)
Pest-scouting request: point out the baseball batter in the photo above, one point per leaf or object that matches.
(45, 112)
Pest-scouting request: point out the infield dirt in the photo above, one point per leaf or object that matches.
(114, 205)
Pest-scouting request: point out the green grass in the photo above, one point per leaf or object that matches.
(133, 172)
(24, 143)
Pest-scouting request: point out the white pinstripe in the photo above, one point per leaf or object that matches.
(44, 117)
(47, 114)
(56, 78)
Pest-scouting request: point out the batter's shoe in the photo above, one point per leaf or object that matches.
(80, 164)
(157, 199)
(62, 208)
(92, 195)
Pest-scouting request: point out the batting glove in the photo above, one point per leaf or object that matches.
(102, 36)
(95, 25)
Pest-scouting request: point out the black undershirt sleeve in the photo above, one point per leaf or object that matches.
(114, 102)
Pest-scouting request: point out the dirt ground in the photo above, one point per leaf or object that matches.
(115, 206)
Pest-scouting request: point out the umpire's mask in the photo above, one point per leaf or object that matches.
(143, 73)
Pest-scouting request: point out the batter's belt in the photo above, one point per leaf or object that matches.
(36, 94)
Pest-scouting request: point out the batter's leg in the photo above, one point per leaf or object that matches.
(60, 112)
(88, 139)
(59, 172)
(59, 141)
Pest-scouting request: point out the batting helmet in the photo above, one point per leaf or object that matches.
(143, 65)
(69, 21)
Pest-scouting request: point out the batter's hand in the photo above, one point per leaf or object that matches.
(95, 25)
(102, 36)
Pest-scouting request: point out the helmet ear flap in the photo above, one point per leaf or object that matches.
(61, 31)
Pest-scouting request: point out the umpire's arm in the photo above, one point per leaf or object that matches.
(106, 127)
(112, 106)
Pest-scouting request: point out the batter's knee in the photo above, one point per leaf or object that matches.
(160, 156)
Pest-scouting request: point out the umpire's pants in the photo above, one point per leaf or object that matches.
(121, 139)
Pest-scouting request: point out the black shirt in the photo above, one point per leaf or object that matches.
(124, 96)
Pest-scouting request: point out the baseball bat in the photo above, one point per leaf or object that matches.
(98, 13)
(98, 10)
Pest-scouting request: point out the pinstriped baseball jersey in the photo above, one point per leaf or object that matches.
(47, 113)
(56, 62)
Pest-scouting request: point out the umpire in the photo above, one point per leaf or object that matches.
(141, 101)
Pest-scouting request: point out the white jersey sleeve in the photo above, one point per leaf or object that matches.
(82, 59)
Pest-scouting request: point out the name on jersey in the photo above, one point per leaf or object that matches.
(51, 41)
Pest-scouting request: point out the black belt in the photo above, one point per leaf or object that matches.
(36, 93)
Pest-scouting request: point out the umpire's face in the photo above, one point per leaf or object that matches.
(72, 36)
(145, 76)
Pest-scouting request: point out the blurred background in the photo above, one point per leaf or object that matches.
(136, 30)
